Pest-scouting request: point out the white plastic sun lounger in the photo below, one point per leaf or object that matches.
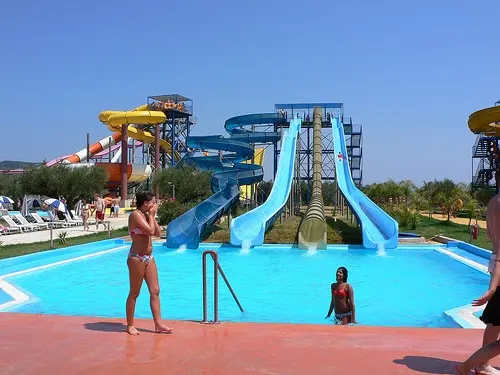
(13, 224)
(23, 221)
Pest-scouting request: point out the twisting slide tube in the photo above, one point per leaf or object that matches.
(312, 230)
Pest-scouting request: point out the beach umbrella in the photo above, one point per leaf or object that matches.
(56, 203)
(24, 208)
(78, 208)
(6, 200)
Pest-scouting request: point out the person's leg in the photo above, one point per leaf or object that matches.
(490, 335)
(482, 355)
(154, 293)
(136, 270)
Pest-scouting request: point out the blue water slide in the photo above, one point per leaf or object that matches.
(376, 225)
(229, 173)
(249, 228)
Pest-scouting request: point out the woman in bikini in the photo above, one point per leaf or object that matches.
(141, 264)
(342, 299)
(85, 214)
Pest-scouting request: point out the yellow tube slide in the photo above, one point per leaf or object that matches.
(115, 119)
(486, 120)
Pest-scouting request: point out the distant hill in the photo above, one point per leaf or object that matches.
(13, 164)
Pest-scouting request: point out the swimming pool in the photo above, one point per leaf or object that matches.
(409, 286)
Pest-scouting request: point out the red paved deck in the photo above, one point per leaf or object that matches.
(41, 344)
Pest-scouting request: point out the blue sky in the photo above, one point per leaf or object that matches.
(410, 72)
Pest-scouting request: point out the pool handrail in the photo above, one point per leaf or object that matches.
(217, 270)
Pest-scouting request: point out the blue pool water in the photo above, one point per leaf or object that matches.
(407, 287)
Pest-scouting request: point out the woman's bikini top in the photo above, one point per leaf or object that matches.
(137, 231)
(340, 292)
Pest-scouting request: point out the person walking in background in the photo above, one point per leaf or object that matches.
(85, 214)
(99, 206)
(491, 314)
(116, 205)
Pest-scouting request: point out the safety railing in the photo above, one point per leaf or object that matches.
(217, 270)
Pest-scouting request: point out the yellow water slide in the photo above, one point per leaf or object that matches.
(138, 116)
(258, 158)
(486, 120)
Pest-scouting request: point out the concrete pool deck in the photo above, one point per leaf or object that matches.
(46, 344)
(74, 231)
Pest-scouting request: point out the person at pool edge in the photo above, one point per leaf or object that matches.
(142, 226)
(491, 314)
(342, 299)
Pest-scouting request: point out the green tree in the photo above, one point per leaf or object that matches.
(189, 184)
(445, 194)
(191, 187)
(61, 180)
(10, 186)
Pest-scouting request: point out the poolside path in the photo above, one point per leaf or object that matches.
(43, 344)
(457, 220)
(44, 235)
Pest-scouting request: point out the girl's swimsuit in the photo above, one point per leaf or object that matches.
(341, 293)
(143, 258)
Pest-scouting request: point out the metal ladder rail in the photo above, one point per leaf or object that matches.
(217, 270)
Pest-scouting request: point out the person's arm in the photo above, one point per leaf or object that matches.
(494, 281)
(332, 304)
(351, 303)
(157, 228)
(148, 226)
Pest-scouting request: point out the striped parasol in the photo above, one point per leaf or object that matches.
(5, 200)
(56, 203)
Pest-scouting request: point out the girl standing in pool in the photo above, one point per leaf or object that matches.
(142, 225)
(342, 299)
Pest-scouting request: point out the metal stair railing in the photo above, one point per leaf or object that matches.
(217, 270)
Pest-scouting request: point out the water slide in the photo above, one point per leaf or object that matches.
(377, 227)
(486, 120)
(140, 115)
(312, 230)
(103, 144)
(230, 171)
(249, 229)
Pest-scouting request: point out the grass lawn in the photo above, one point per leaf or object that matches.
(7, 251)
(338, 232)
(431, 227)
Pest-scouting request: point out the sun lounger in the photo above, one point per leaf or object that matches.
(8, 230)
(39, 220)
(55, 220)
(13, 224)
(23, 221)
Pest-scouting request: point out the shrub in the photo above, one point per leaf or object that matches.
(406, 217)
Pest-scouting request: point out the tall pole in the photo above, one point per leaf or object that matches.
(124, 164)
(109, 149)
(157, 155)
(88, 147)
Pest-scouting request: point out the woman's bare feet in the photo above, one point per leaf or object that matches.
(486, 370)
(160, 328)
(131, 330)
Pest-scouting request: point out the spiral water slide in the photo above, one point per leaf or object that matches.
(486, 121)
(229, 173)
(377, 227)
(249, 229)
(138, 116)
(312, 230)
